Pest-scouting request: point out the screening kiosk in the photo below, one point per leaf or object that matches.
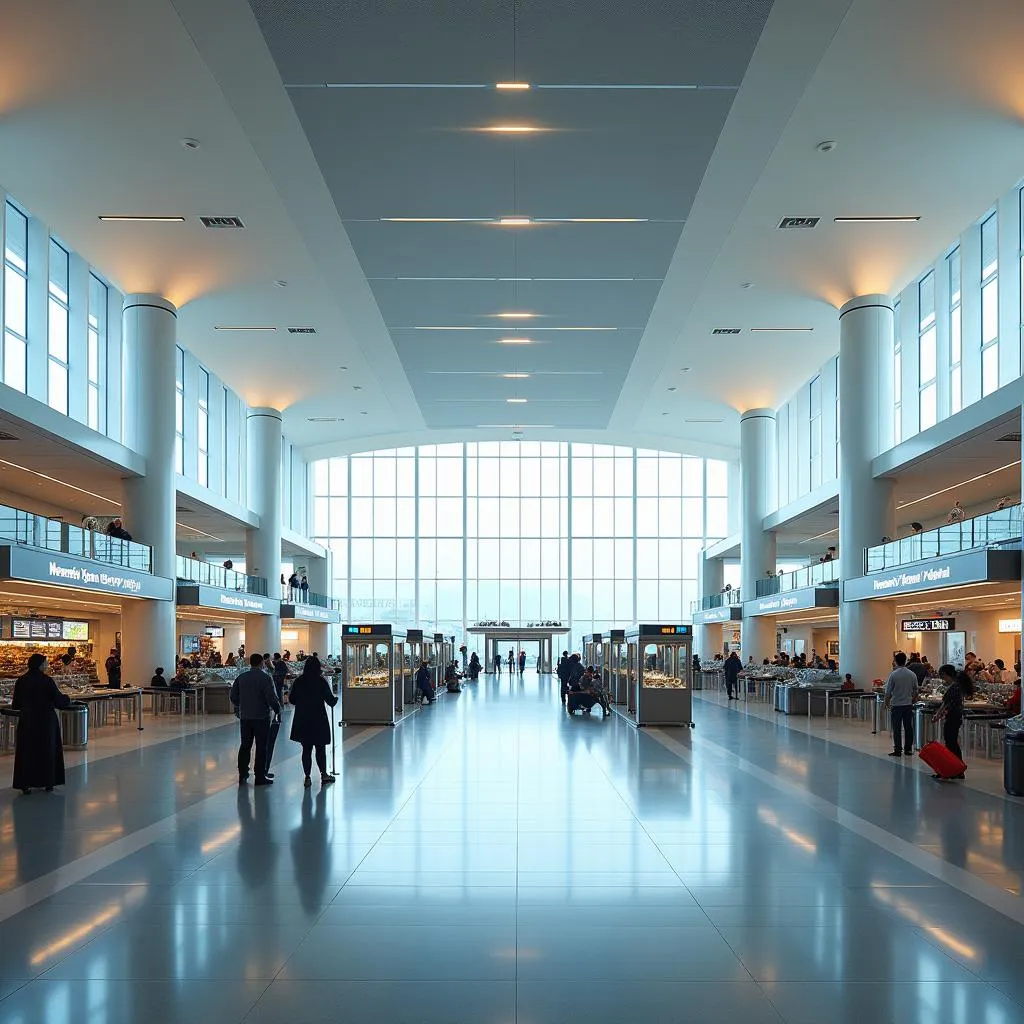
(660, 686)
(372, 658)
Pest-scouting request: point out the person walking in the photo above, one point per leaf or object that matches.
(38, 751)
(311, 695)
(959, 687)
(900, 693)
(497, 664)
(522, 662)
(252, 694)
(733, 667)
(278, 672)
(511, 661)
(423, 683)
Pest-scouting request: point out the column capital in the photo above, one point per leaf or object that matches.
(866, 302)
(757, 414)
(151, 300)
(263, 410)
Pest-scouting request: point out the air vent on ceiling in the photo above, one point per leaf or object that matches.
(222, 222)
(702, 421)
(4, 436)
(302, 330)
(726, 330)
(1015, 437)
(798, 222)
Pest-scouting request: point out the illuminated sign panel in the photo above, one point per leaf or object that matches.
(933, 625)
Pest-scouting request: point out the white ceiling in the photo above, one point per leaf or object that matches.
(922, 97)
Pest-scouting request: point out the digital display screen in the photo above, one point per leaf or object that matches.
(674, 630)
(37, 629)
(216, 632)
(359, 630)
(189, 644)
(928, 625)
(75, 630)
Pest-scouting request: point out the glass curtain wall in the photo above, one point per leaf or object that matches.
(592, 536)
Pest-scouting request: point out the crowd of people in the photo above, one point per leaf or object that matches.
(581, 687)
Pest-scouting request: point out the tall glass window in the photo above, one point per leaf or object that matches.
(96, 346)
(58, 316)
(179, 410)
(927, 340)
(203, 429)
(815, 440)
(224, 443)
(956, 387)
(446, 535)
(989, 305)
(897, 373)
(15, 338)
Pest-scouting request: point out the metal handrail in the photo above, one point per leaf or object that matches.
(296, 595)
(192, 570)
(821, 574)
(727, 599)
(1001, 528)
(25, 527)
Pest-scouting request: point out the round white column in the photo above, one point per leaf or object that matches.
(757, 499)
(867, 506)
(263, 544)
(319, 583)
(707, 638)
(147, 627)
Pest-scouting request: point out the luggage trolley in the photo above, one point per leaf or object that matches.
(614, 667)
(371, 673)
(661, 675)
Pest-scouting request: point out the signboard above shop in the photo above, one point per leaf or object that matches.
(709, 616)
(34, 565)
(309, 613)
(191, 595)
(1009, 625)
(793, 601)
(991, 565)
(932, 625)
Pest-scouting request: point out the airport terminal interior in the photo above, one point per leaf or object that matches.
(510, 512)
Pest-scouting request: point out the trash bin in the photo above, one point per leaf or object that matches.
(1013, 764)
(74, 726)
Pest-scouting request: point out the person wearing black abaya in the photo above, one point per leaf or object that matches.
(39, 753)
(311, 695)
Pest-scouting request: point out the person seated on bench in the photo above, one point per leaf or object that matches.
(452, 677)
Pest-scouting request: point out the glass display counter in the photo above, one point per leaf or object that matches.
(615, 664)
(662, 693)
(440, 654)
(371, 673)
(591, 649)
(416, 650)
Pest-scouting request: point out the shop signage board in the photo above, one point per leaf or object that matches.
(227, 600)
(930, 625)
(995, 565)
(645, 629)
(1009, 625)
(36, 565)
(793, 601)
(706, 616)
(309, 613)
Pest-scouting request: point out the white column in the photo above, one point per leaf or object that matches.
(867, 506)
(263, 545)
(319, 632)
(147, 627)
(707, 639)
(757, 499)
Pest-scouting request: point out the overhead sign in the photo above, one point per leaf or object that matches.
(37, 629)
(646, 629)
(309, 613)
(932, 625)
(793, 601)
(227, 600)
(381, 629)
(1009, 625)
(35, 565)
(707, 616)
(997, 565)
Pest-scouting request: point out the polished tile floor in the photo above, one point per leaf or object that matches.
(494, 861)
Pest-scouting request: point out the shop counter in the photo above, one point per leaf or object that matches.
(217, 699)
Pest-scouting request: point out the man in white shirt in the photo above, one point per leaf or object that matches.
(900, 693)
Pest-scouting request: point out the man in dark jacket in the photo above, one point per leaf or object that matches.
(423, 683)
(113, 667)
(733, 667)
(918, 667)
(253, 696)
(115, 528)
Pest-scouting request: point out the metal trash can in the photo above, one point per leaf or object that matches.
(74, 726)
(1013, 763)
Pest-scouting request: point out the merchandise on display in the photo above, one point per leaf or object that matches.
(660, 681)
(371, 680)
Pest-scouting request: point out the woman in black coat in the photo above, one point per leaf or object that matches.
(311, 695)
(39, 753)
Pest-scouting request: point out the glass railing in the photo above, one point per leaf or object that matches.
(54, 535)
(727, 599)
(994, 529)
(296, 595)
(821, 574)
(192, 570)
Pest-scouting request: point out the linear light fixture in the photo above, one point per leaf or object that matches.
(514, 222)
(781, 330)
(63, 483)
(512, 86)
(242, 327)
(464, 328)
(135, 218)
(593, 220)
(515, 426)
(515, 341)
(516, 316)
(901, 219)
(516, 401)
(434, 220)
(963, 483)
(515, 376)
(512, 129)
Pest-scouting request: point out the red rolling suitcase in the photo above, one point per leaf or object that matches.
(942, 760)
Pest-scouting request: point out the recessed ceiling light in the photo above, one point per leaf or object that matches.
(343, 368)
(779, 330)
(190, 144)
(512, 129)
(827, 146)
(364, 414)
(517, 316)
(512, 86)
(877, 220)
(514, 222)
(515, 376)
(684, 369)
(434, 220)
(672, 389)
(516, 401)
(281, 284)
(515, 341)
(242, 327)
(746, 284)
(131, 218)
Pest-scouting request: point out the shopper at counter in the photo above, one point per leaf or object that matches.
(158, 679)
(38, 751)
(113, 667)
(732, 669)
(900, 693)
(252, 694)
(423, 683)
(918, 667)
(959, 687)
(311, 695)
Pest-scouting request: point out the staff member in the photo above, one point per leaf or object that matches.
(38, 753)
(253, 696)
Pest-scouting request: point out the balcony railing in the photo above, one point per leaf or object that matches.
(191, 570)
(821, 574)
(994, 529)
(55, 535)
(296, 595)
(725, 600)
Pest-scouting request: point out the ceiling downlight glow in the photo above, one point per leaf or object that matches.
(514, 222)
(516, 401)
(512, 129)
(517, 316)
(512, 86)
(515, 341)
(515, 376)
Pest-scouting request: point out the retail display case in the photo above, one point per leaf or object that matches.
(660, 691)
(371, 673)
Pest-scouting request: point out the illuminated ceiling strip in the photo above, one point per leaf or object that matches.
(532, 328)
(63, 483)
(136, 218)
(876, 220)
(963, 483)
(518, 86)
(489, 280)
